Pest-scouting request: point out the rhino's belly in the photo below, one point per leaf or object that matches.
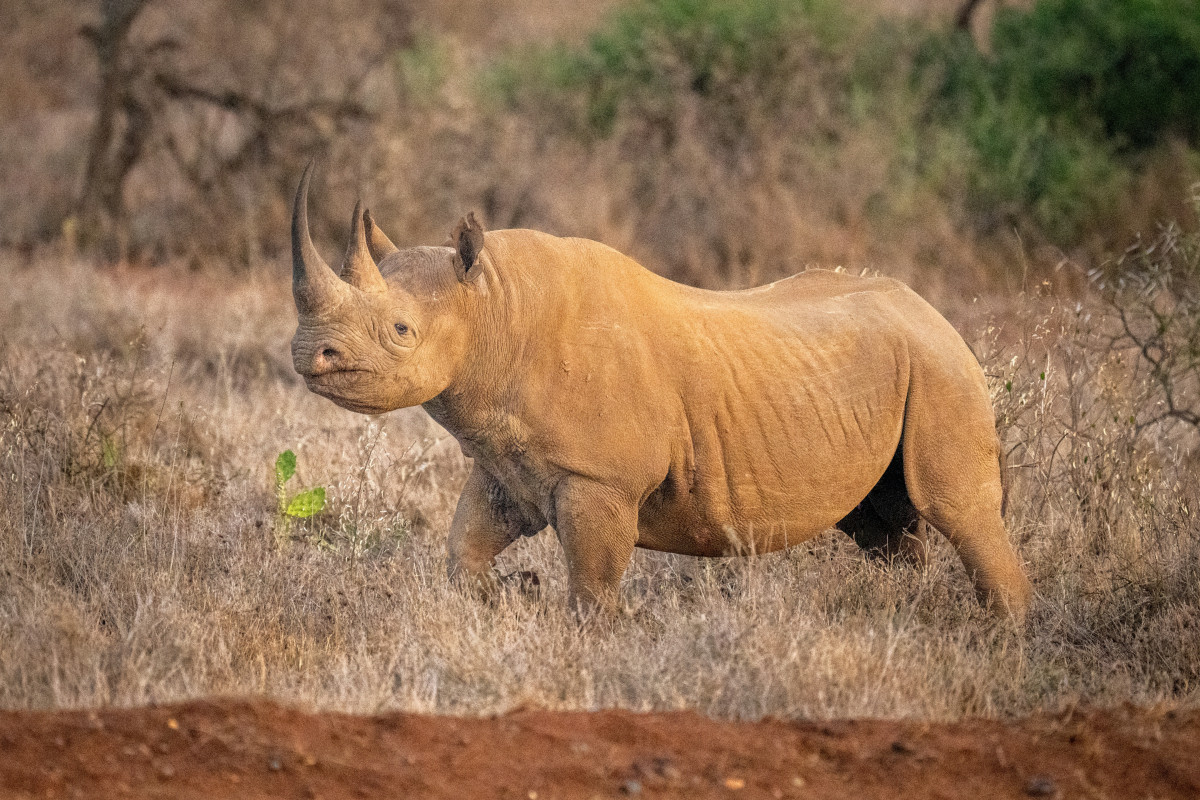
(691, 526)
(687, 532)
(768, 475)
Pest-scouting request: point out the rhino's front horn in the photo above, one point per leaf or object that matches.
(314, 284)
(358, 267)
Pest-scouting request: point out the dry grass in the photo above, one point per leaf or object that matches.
(140, 560)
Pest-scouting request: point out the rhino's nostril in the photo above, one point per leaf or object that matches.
(324, 360)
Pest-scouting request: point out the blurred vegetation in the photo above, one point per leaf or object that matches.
(1059, 114)
(1041, 130)
(721, 142)
(650, 57)
(1125, 69)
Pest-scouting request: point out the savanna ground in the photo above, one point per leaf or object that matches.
(146, 389)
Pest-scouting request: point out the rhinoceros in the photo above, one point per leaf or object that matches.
(625, 410)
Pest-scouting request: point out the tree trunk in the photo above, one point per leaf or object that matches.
(963, 20)
(118, 115)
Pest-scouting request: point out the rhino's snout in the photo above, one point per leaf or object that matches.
(320, 360)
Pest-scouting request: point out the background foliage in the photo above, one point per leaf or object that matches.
(823, 132)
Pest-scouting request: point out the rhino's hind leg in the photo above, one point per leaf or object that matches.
(952, 472)
(886, 524)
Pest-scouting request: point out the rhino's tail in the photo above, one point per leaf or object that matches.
(1002, 457)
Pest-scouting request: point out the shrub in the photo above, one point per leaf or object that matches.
(652, 58)
(1053, 118)
(1153, 293)
(1130, 67)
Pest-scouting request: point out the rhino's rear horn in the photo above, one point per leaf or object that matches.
(381, 246)
(358, 267)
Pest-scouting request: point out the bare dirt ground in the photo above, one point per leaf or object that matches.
(233, 748)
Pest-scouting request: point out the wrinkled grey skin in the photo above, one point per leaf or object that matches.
(628, 411)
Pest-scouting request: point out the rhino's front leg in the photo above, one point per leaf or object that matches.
(597, 527)
(485, 522)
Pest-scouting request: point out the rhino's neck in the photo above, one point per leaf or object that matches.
(476, 406)
(472, 417)
(535, 293)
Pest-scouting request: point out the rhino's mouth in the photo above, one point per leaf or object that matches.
(339, 385)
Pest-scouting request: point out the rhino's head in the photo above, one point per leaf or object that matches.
(373, 344)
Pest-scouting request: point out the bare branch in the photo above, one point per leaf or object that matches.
(239, 102)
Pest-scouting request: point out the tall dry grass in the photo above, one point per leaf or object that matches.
(141, 558)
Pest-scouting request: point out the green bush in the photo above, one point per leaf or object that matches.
(650, 57)
(1016, 166)
(1044, 130)
(1129, 67)
(1053, 117)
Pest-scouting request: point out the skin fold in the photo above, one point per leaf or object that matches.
(626, 410)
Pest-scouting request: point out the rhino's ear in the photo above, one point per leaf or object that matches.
(467, 241)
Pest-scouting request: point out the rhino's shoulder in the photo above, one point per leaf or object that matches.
(534, 251)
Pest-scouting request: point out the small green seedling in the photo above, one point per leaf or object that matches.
(302, 505)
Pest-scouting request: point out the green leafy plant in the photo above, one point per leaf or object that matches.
(298, 506)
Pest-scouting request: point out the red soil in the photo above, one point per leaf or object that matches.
(222, 749)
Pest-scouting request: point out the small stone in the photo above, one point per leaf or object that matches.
(532, 795)
(173, 724)
(274, 765)
(166, 772)
(631, 787)
(735, 783)
(1040, 786)
(798, 782)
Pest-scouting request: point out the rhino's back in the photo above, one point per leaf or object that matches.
(815, 284)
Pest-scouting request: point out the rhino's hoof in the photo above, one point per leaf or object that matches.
(526, 581)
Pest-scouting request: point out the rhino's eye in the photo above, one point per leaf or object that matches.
(401, 328)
